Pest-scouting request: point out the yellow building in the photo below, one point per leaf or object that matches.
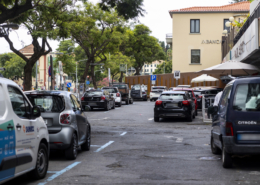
(197, 34)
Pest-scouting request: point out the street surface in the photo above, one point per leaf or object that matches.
(128, 147)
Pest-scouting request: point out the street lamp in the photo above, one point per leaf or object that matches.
(4, 29)
(51, 64)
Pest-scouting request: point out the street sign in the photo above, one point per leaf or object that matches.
(88, 82)
(153, 82)
(69, 84)
(122, 67)
(2, 69)
(60, 68)
(49, 71)
(177, 74)
(153, 77)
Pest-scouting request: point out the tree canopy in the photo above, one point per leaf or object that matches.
(167, 65)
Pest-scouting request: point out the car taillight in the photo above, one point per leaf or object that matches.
(200, 96)
(158, 102)
(103, 97)
(117, 95)
(185, 103)
(144, 92)
(82, 99)
(229, 129)
(65, 118)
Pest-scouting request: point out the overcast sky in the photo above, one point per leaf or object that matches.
(157, 19)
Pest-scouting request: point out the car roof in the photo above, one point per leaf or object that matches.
(64, 93)
(245, 80)
(174, 92)
(182, 89)
(7, 82)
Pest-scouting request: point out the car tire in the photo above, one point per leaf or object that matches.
(42, 163)
(214, 149)
(145, 99)
(86, 145)
(114, 105)
(190, 118)
(120, 104)
(226, 159)
(151, 100)
(194, 115)
(72, 152)
(91, 108)
(196, 112)
(156, 119)
(127, 102)
(107, 107)
(131, 101)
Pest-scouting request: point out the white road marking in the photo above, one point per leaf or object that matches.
(123, 134)
(104, 146)
(52, 171)
(59, 173)
(150, 119)
(95, 146)
(179, 140)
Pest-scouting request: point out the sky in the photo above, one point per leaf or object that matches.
(157, 18)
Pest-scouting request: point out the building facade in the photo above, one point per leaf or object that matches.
(197, 34)
(148, 69)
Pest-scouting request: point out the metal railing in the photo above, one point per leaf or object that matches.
(169, 35)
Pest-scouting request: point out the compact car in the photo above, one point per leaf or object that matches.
(156, 92)
(138, 92)
(67, 125)
(236, 124)
(98, 99)
(172, 104)
(115, 93)
(24, 145)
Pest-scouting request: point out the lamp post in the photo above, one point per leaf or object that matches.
(51, 64)
(4, 29)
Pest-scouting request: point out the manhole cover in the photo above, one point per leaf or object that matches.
(209, 158)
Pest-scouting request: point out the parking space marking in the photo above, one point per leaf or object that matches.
(104, 146)
(150, 119)
(124, 133)
(95, 146)
(179, 140)
(52, 171)
(59, 173)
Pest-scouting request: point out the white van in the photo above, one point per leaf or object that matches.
(24, 138)
(156, 91)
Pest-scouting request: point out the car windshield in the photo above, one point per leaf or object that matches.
(136, 87)
(197, 93)
(47, 103)
(111, 90)
(93, 93)
(247, 97)
(172, 97)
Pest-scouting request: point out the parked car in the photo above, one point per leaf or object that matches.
(98, 99)
(236, 127)
(191, 93)
(184, 86)
(172, 104)
(210, 91)
(24, 136)
(124, 91)
(67, 125)
(115, 93)
(137, 92)
(156, 91)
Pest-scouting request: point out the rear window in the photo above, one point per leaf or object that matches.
(247, 97)
(47, 103)
(93, 93)
(136, 87)
(119, 86)
(111, 90)
(172, 97)
(197, 93)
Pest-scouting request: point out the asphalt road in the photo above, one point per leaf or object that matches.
(128, 147)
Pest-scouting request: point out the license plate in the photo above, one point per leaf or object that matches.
(172, 104)
(92, 104)
(248, 137)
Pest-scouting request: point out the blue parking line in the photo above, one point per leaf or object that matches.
(104, 146)
(59, 173)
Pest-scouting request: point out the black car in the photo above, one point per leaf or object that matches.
(137, 92)
(174, 104)
(98, 99)
(236, 123)
(205, 91)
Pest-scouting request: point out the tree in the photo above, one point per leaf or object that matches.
(40, 23)
(162, 43)
(237, 1)
(97, 32)
(129, 9)
(160, 68)
(143, 47)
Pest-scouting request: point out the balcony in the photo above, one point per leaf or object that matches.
(169, 38)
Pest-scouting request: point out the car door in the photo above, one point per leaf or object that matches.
(221, 117)
(25, 132)
(81, 120)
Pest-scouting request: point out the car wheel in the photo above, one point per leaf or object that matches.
(107, 107)
(194, 115)
(114, 105)
(91, 108)
(127, 102)
(120, 104)
(131, 101)
(196, 112)
(145, 99)
(86, 145)
(71, 153)
(214, 149)
(156, 119)
(42, 163)
(226, 159)
(190, 117)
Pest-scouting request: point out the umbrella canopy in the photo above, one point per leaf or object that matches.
(232, 68)
(204, 78)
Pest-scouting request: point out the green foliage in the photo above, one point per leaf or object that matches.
(143, 47)
(160, 68)
(237, 1)
(162, 43)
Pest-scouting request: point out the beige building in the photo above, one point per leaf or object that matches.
(148, 69)
(197, 34)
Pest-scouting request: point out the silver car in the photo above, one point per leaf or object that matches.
(67, 125)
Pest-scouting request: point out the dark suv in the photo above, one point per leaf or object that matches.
(236, 124)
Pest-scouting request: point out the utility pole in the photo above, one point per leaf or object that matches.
(52, 76)
(36, 84)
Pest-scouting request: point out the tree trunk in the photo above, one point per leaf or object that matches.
(121, 77)
(93, 77)
(28, 77)
(137, 71)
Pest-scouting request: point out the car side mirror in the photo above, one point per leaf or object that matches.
(87, 108)
(36, 112)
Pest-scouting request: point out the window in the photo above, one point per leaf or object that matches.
(76, 102)
(195, 56)
(151, 65)
(247, 97)
(20, 105)
(226, 28)
(223, 103)
(154, 65)
(111, 90)
(195, 26)
(144, 65)
(151, 70)
(2, 102)
(179, 97)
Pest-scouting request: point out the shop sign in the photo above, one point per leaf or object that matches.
(211, 41)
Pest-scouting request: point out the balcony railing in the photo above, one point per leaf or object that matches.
(169, 35)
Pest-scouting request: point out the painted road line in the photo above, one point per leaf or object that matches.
(59, 173)
(104, 146)
(179, 140)
(95, 146)
(124, 133)
(52, 171)
(150, 119)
